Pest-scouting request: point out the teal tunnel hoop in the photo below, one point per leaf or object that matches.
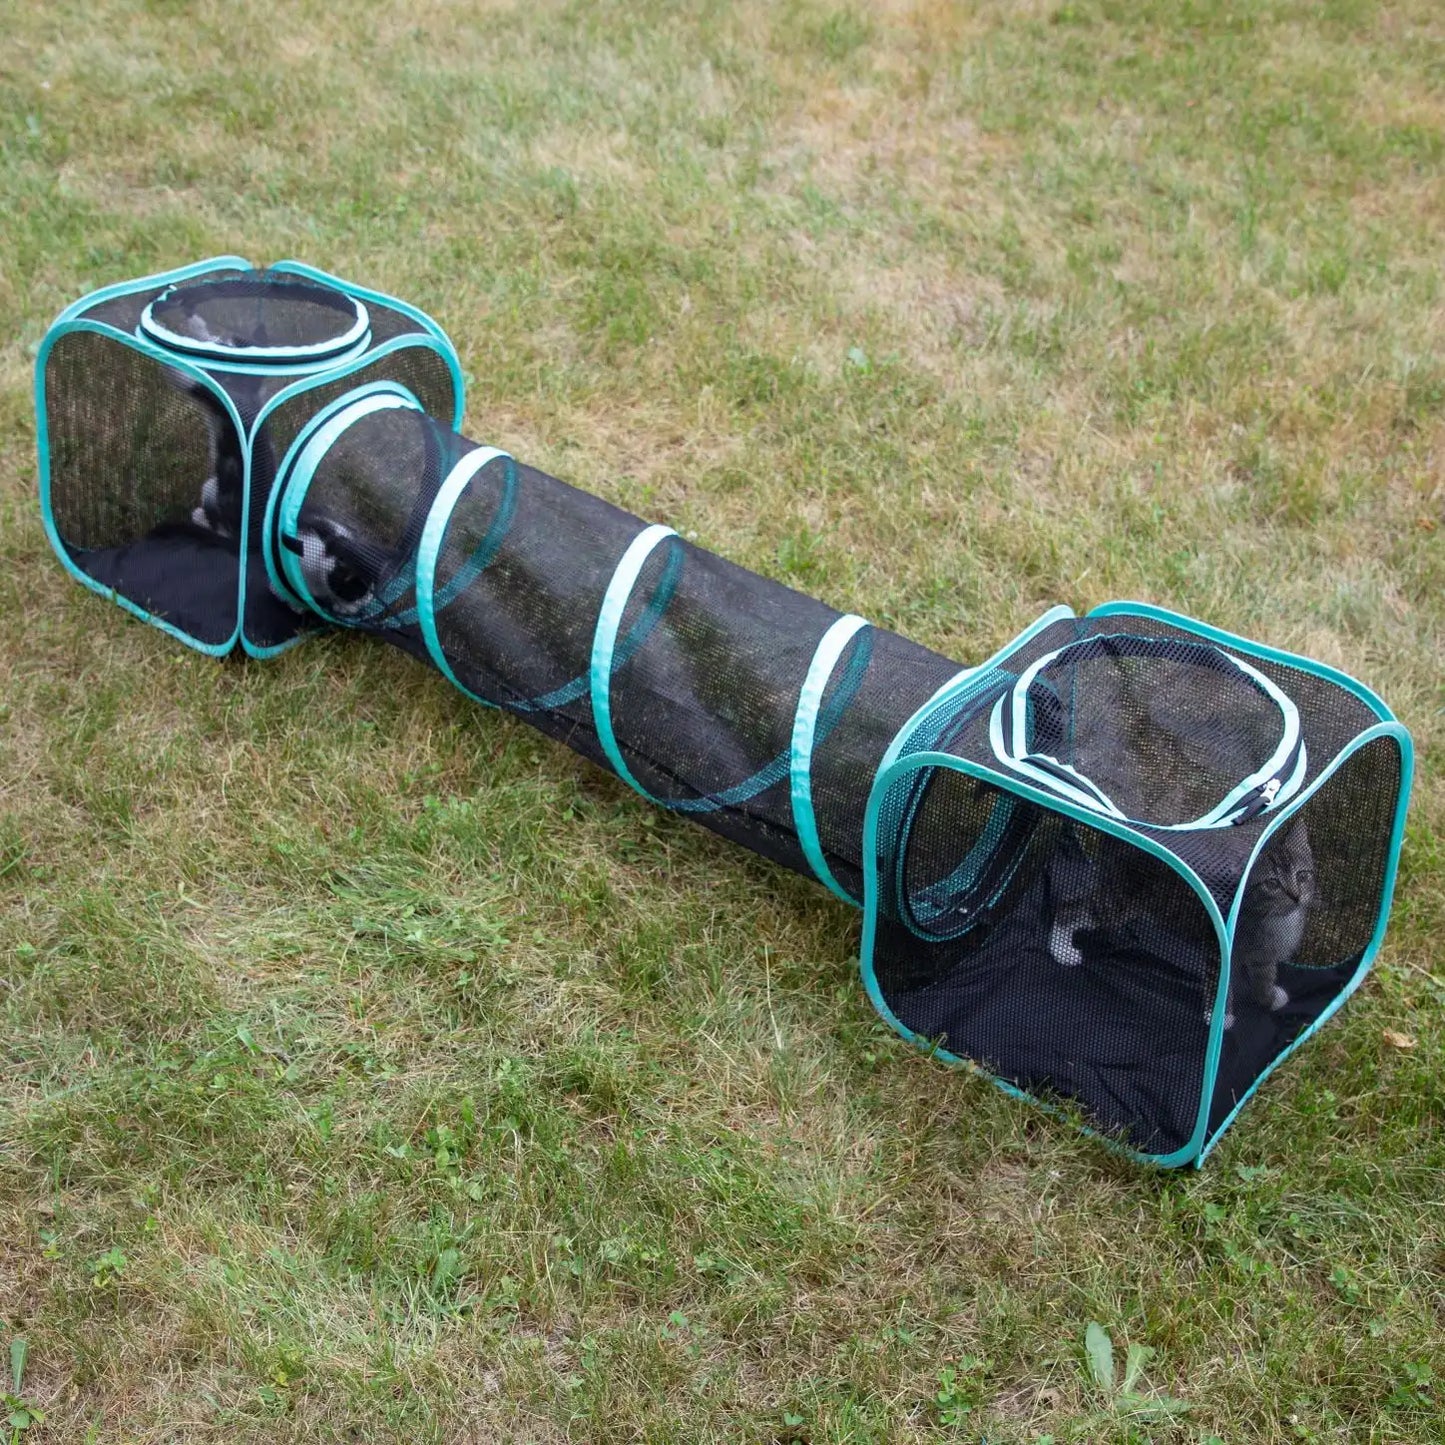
(298, 470)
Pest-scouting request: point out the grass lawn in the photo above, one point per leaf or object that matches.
(373, 1070)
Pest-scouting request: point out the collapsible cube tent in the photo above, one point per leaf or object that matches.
(163, 405)
(1127, 864)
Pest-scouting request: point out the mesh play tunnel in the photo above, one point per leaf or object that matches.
(1125, 865)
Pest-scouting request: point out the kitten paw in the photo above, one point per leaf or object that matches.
(1228, 1018)
(1277, 998)
(1063, 949)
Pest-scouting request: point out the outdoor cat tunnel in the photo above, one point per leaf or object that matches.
(1123, 867)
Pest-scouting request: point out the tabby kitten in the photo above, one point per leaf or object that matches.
(1271, 924)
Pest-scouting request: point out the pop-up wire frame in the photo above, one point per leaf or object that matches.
(1124, 867)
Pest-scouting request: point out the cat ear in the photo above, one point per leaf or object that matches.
(1297, 838)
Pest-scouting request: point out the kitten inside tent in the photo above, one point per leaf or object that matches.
(1277, 898)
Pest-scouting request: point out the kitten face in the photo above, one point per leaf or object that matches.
(1271, 928)
(1283, 878)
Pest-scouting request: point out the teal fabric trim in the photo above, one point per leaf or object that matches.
(955, 685)
(47, 513)
(1366, 695)
(474, 566)
(942, 705)
(358, 333)
(1406, 746)
(894, 765)
(826, 657)
(340, 371)
(294, 483)
(281, 584)
(965, 876)
(609, 619)
(923, 912)
(899, 767)
(145, 283)
(263, 653)
(433, 535)
(773, 772)
(380, 298)
(429, 550)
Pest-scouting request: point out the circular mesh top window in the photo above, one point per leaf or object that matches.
(1152, 730)
(265, 318)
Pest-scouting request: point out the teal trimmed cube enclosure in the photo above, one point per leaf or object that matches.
(1123, 867)
(138, 396)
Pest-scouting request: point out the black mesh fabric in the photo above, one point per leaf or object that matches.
(125, 311)
(709, 662)
(132, 443)
(972, 883)
(1071, 962)
(1065, 959)
(420, 369)
(1165, 734)
(1074, 959)
(1348, 828)
(357, 531)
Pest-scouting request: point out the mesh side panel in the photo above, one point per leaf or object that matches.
(387, 323)
(522, 630)
(1059, 958)
(1330, 716)
(707, 700)
(133, 447)
(420, 369)
(1310, 906)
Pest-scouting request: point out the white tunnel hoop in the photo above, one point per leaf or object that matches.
(604, 640)
(1263, 790)
(354, 339)
(829, 653)
(428, 551)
